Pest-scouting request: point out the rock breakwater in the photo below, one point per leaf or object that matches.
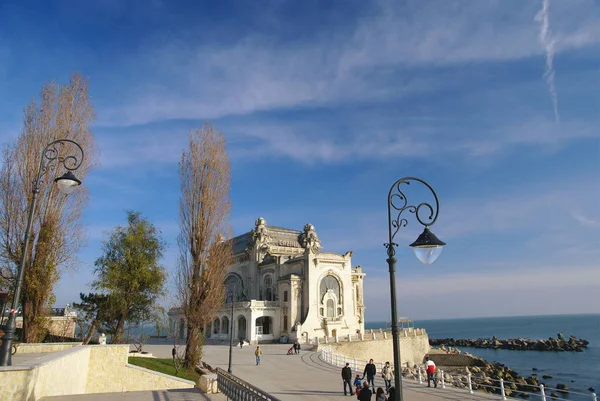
(484, 376)
(522, 344)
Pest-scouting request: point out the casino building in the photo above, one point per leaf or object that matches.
(284, 285)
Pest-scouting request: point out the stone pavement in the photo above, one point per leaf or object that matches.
(158, 395)
(304, 376)
(288, 377)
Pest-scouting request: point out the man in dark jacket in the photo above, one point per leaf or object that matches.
(369, 373)
(346, 377)
(365, 393)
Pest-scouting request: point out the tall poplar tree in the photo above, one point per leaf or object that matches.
(63, 112)
(204, 209)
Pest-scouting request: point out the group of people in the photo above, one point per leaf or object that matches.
(363, 388)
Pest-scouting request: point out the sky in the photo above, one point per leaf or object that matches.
(324, 105)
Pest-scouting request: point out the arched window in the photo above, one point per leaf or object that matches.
(264, 325)
(330, 308)
(233, 289)
(330, 283)
(216, 325)
(285, 296)
(268, 285)
(330, 297)
(241, 327)
(225, 325)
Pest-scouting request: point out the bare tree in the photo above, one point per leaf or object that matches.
(64, 112)
(204, 209)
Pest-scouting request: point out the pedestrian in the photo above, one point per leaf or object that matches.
(174, 353)
(387, 373)
(380, 396)
(430, 368)
(392, 394)
(357, 384)
(241, 342)
(346, 377)
(369, 373)
(257, 353)
(298, 348)
(365, 393)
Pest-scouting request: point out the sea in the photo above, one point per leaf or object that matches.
(578, 370)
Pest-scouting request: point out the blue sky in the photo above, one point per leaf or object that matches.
(324, 105)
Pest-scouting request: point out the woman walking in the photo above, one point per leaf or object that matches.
(388, 375)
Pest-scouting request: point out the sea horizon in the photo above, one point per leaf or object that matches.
(579, 370)
(486, 317)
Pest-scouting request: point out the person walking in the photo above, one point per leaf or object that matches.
(430, 368)
(369, 373)
(365, 393)
(357, 384)
(387, 373)
(257, 353)
(346, 377)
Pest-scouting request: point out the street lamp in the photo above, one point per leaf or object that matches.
(51, 158)
(231, 328)
(427, 248)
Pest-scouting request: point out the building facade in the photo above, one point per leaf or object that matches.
(282, 286)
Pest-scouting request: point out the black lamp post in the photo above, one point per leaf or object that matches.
(427, 248)
(231, 329)
(66, 184)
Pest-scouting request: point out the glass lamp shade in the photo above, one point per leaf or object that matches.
(67, 183)
(428, 247)
(428, 254)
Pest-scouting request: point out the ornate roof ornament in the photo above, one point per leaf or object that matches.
(260, 231)
(309, 239)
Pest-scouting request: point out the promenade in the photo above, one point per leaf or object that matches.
(304, 376)
(288, 377)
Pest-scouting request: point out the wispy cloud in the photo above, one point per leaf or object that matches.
(543, 17)
(260, 74)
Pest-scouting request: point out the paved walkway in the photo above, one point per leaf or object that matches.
(288, 377)
(305, 376)
(158, 395)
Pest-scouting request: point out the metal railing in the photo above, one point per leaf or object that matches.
(236, 389)
(495, 386)
(368, 335)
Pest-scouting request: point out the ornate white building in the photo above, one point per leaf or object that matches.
(285, 286)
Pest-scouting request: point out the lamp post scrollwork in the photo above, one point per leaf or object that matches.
(427, 248)
(52, 157)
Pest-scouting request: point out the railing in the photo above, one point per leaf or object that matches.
(379, 334)
(496, 386)
(236, 389)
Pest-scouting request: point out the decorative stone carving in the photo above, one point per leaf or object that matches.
(309, 238)
(260, 232)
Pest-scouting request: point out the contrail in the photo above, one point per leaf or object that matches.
(548, 43)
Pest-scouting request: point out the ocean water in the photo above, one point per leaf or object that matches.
(578, 370)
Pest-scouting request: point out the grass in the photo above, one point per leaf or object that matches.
(164, 366)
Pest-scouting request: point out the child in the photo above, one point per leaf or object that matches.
(357, 384)
(291, 351)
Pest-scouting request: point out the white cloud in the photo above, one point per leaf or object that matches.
(259, 74)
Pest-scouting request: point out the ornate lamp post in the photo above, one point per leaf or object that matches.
(51, 158)
(231, 329)
(427, 248)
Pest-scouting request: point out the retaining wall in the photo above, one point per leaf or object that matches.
(81, 370)
(413, 348)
